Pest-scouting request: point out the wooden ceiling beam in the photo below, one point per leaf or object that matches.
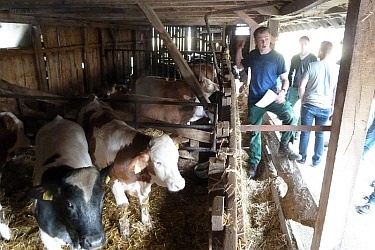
(299, 6)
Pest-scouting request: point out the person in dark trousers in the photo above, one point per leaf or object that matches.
(266, 66)
(298, 66)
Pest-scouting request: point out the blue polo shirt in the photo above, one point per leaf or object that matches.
(265, 69)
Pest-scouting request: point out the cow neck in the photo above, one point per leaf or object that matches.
(123, 170)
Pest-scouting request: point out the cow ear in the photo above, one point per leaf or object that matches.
(177, 139)
(41, 193)
(104, 174)
(140, 162)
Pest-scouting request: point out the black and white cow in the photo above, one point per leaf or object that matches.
(67, 188)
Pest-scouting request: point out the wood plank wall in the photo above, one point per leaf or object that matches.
(64, 51)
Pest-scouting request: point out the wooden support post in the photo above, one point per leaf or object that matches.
(217, 218)
(86, 70)
(39, 59)
(103, 62)
(216, 169)
(355, 90)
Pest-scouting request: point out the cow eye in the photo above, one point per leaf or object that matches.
(69, 204)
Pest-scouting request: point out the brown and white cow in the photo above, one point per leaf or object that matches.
(67, 187)
(138, 160)
(154, 86)
(12, 139)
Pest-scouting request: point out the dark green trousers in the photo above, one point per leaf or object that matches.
(283, 111)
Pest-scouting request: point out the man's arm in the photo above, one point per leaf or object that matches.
(291, 71)
(280, 98)
(302, 87)
(240, 45)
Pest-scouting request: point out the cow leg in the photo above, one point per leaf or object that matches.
(145, 206)
(145, 214)
(119, 193)
(124, 222)
(122, 203)
(4, 229)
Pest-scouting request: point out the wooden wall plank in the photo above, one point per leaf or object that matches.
(19, 70)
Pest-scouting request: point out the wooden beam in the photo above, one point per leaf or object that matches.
(242, 14)
(245, 128)
(353, 100)
(39, 59)
(274, 27)
(297, 7)
(186, 71)
(268, 11)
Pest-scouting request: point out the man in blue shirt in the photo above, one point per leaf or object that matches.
(266, 66)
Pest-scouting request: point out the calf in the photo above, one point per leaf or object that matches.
(67, 188)
(12, 138)
(138, 160)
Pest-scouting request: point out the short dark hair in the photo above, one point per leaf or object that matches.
(261, 30)
(326, 47)
(304, 38)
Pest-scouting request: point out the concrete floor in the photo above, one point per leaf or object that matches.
(360, 227)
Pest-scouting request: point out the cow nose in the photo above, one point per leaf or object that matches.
(93, 241)
(177, 185)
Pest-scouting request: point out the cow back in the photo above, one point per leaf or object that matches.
(162, 87)
(60, 142)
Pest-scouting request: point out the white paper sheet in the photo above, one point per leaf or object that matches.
(267, 99)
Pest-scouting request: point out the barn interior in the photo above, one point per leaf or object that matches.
(55, 55)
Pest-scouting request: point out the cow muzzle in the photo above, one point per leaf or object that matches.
(93, 241)
(176, 185)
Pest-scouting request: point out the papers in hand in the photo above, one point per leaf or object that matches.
(267, 99)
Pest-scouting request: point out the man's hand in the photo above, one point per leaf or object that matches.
(241, 43)
(280, 98)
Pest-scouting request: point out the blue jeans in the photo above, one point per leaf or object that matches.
(370, 138)
(309, 113)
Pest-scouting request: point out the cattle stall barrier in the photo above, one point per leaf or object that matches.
(135, 123)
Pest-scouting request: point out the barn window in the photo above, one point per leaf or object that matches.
(15, 35)
(242, 30)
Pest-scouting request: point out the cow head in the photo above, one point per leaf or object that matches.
(70, 204)
(208, 86)
(164, 156)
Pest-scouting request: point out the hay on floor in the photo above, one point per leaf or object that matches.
(180, 220)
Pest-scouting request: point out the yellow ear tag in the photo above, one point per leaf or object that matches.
(107, 179)
(47, 196)
(137, 169)
(177, 145)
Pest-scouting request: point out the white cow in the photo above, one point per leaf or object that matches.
(138, 159)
